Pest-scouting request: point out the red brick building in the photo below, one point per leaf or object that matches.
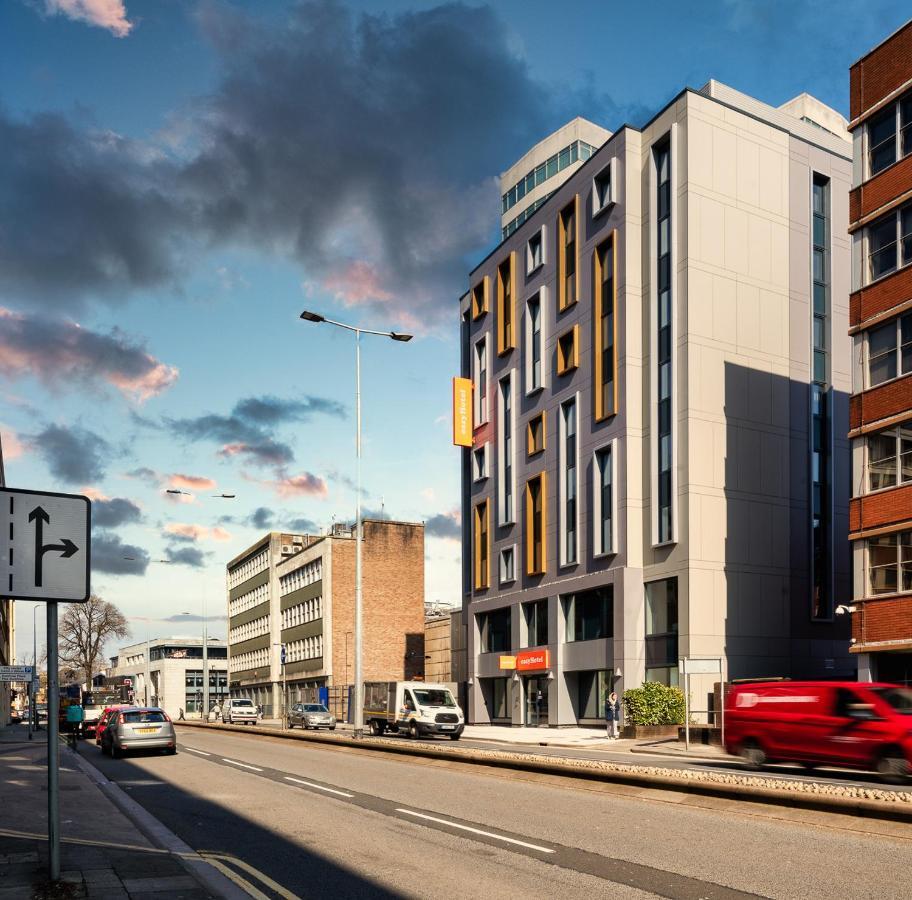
(880, 318)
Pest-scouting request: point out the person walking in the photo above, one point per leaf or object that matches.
(613, 715)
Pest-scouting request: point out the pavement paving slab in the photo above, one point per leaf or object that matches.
(104, 855)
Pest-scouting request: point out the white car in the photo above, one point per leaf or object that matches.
(239, 710)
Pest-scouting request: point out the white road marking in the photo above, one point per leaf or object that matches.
(234, 762)
(490, 834)
(318, 787)
(201, 752)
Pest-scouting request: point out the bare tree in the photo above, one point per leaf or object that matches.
(85, 629)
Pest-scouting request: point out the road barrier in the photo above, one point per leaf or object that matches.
(819, 796)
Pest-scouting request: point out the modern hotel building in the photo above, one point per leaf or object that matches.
(660, 378)
(880, 215)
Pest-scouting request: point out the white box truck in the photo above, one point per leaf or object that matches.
(414, 708)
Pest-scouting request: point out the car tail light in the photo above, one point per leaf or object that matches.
(167, 717)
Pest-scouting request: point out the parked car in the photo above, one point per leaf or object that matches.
(138, 728)
(848, 724)
(311, 715)
(106, 714)
(412, 707)
(239, 709)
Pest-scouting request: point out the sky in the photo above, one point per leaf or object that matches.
(180, 178)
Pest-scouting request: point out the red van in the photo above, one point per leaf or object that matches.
(822, 723)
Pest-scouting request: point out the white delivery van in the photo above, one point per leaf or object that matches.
(414, 708)
(239, 709)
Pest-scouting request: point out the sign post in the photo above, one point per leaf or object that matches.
(45, 555)
(284, 691)
(688, 666)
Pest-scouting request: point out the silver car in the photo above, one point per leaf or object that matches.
(311, 715)
(138, 728)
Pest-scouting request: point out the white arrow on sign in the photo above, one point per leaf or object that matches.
(44, 545)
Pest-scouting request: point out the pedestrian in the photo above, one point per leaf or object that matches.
(215, 713)
(180, 716)
(613, 715)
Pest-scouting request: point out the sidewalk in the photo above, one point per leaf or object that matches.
(104, 856)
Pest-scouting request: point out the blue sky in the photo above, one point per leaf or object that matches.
(179, 179)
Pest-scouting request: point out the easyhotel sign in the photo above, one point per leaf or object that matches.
(527, 661)
(462, 412)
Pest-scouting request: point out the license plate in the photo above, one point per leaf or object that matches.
(447, 727)
(145, 730)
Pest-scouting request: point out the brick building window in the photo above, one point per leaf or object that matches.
(890, 135)
(889, 458)
(890, 563)
(889, 243)
(890, 350)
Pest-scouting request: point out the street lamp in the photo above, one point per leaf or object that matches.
(316, 318)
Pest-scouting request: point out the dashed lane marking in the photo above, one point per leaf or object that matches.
(490, 834)
(194, 750)
(234, 762)
(318, 787)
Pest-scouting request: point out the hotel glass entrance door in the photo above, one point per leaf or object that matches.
(536, 700)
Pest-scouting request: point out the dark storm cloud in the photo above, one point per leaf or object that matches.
(74, 455)
(363, 147)
(444, 525)
(248, 431)
(261, 517)
(301, 526)
(114, 512)
(186, 556)
(109, 552)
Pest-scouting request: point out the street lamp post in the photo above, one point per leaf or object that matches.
(316, 318)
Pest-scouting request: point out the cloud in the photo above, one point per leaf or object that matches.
(445, 525)
(108, 14)
(108, 552)
(381, 514)
(264, 453)
(301, 526)
(261, 517)
(115, 512)
(186, 556)
(190, 532)
(61, 354)
(305, 484)
(74, 455)
(13, 447)
(404, 198)
(191, 482)
(270, 411)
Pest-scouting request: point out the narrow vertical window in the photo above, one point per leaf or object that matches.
(605, 368)
(603, 501)
(482, 546)
(664, 341)
(481, 382)
(566, 264)
(536, 517)
(821, 601)
(506, 339)
(506, 425)
(568, 466)
(534, 343)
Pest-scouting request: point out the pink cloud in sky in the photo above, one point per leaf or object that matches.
(13, 447)
(304, 485)
(93, 493)
(356, 283)
(191, 482)
(61, 353)
(197, 532)
(109, 14)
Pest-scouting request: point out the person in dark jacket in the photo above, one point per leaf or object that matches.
(613, 714)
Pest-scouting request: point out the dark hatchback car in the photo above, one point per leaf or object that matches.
(138, 728)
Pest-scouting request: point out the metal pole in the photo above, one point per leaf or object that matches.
(358, 718)
(205, 715)
(722, 703)
(147, 692)
(53, 690)
(284, 695)
(33, 718)
(686, 708)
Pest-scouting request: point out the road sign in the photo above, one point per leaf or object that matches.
(694, 666)
(44, 546)
(16, 673)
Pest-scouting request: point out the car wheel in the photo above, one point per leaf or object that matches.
(893, 767)
(171, 751)
(332, 727)
(373, 727)
(413, 730)
(116, 752)
(455, 737)
(753, 755)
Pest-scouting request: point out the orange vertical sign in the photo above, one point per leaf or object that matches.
(462, 412)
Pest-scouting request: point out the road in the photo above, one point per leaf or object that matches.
(294, 820)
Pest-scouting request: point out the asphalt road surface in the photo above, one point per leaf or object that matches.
(292, 820)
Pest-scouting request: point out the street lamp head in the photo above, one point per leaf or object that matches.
(312, 316)
(400, 337)
(174, 491)
(225, 496)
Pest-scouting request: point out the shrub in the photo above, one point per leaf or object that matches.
(654, 704)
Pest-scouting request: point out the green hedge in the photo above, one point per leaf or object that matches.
(654, 704)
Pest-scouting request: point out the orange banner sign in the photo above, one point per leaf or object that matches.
(462, 412)
(532, 660)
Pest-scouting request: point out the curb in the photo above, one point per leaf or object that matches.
(161, 836)
(897, 810)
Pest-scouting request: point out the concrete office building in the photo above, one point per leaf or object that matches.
(173, 676)
(660, 377)
(528, 183)
(880, 216)
(299, 590)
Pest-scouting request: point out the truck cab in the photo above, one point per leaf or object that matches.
(415, 708)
